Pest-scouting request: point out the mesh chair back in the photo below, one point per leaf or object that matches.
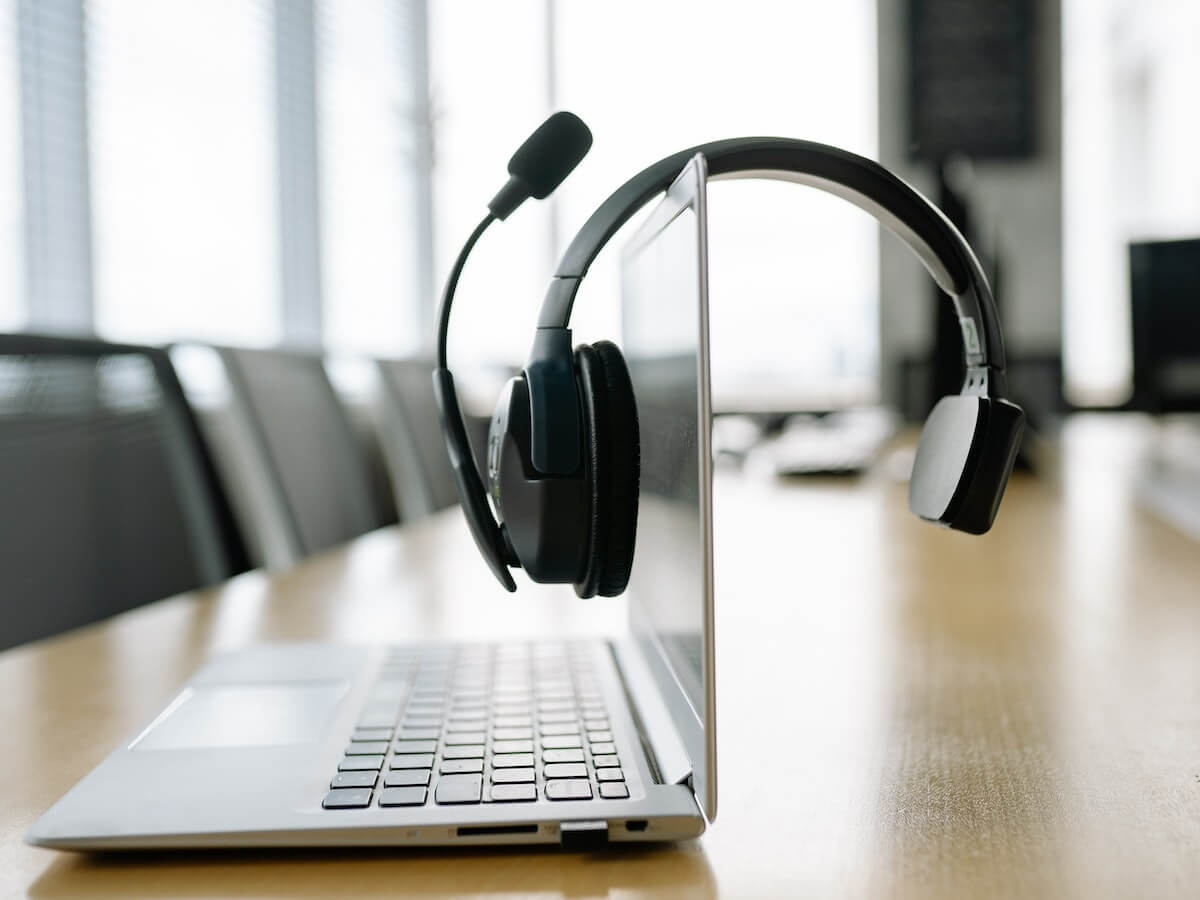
(318, 474)
(412, 441)
(108, 498)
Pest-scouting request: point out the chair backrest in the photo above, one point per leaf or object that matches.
(317, 473)
(108, 496)
(412, 438)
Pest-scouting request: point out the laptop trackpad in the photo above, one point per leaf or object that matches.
(245, 715)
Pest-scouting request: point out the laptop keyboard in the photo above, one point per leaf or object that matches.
(508, 723)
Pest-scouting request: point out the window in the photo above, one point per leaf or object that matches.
(489, 87)
(1129, 169)
(369, 125)
(183, 169)
(794, 272)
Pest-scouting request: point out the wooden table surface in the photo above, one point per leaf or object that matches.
(903, 711)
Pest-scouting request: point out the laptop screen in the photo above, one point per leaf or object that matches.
(664, 307)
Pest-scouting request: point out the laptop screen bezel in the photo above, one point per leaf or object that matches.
(699, 735)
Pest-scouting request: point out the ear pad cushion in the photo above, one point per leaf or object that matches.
(612, 453)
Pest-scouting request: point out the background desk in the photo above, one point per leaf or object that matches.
(903, 710)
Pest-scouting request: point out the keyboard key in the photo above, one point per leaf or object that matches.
(510, 709)
(512, 722)
(560, 741)
(425, 707)
(351, 798)
(354, 780)
(550, 717)
(605, 762)
(465, 737)
(414, 722)
(595, 724)
(513, 776)
(559, 728)
(511, 696)
(475, 723)
(614, 790)
(602, 749)
(610, 775)
(512, 761)
(508, 793)
(459, 766)
(406, 778)
(562, 756)
(599, 737)
(416, 746)
(565, 770)
(412, 761)
(556, 706)
(366, 748)
(473, 752)
(360, 763)
(512, 734)
(404, 796)
(459, 789)
(376, 720)
(419, 734)
(371, 734)
(569, 790)
(512, 746)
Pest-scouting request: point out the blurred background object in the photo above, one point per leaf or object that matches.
(109, 497)
(267, 174)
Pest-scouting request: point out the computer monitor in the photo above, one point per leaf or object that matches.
(1164, 281)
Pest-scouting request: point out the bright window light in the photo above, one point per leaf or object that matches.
(1130, 70)
(12, 240)
(367, 125)
(794, 272)
(183, 169)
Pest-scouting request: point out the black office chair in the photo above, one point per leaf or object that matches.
(411, 437)
(317, 472)
(108, 497)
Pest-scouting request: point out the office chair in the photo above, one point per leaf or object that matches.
(315, 471)
(109, 497)
(411, 437)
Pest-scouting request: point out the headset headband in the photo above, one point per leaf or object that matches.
(862, 181)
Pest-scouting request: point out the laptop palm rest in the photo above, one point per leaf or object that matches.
(245, 715)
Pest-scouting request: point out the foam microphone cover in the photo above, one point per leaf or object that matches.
(550, 153)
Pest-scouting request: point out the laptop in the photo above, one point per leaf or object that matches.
(581, 743)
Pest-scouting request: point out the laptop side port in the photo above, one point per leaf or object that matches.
(476, 830)
(636, 825)
(585, 834)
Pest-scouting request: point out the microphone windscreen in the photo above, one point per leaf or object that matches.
(550, 153)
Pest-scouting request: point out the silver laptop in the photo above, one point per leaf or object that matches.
(580, 743)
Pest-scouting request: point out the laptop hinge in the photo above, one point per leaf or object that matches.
(659, 735)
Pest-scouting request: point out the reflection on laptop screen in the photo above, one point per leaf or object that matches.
(665, 342)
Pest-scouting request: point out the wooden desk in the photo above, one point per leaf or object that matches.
(903, 710)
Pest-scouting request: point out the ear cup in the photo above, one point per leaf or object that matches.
(612, 453)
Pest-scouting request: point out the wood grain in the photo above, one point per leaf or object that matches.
(904, 711)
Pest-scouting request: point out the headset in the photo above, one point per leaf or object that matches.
(563, 446)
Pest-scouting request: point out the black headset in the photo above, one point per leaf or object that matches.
(563, 445)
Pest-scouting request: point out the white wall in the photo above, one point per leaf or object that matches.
(1018, 205)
